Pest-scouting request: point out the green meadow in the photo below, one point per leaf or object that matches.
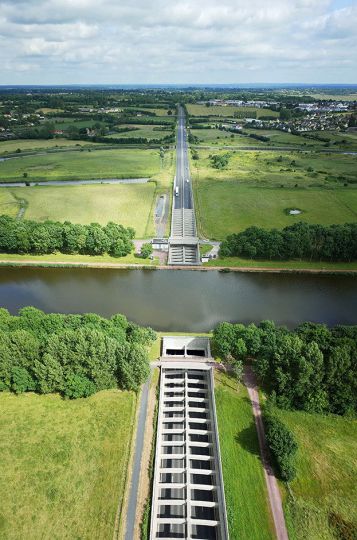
(258, 188)
(245, 490)
(64, 464)
(324, 493)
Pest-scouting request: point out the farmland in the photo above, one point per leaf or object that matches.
(27, 145)
(122, 163)
(258, 189)
(149, 131)
(64, 464)
(128, 204)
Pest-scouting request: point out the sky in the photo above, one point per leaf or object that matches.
(177, 41)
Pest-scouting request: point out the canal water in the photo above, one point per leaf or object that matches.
(180, 300)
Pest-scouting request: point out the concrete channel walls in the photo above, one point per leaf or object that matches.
(188, 492)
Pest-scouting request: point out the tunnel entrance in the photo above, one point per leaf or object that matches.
(185, 346)
(196, 352)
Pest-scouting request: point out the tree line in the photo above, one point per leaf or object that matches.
(27, 236)
(74, 355)
(312, 368)
(298, 241)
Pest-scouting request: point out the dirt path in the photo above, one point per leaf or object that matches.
(271, 482)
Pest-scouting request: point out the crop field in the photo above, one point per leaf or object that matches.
(26, 145)
(121, 163)
(258, 188)
(202, 110)
(324, 489)
(246, 496)
(128, 204)
(64, 464)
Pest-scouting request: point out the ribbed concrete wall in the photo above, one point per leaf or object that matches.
(188, 494)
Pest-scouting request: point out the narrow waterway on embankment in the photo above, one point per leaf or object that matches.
(183, 300)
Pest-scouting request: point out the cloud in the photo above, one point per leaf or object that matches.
(78, 41)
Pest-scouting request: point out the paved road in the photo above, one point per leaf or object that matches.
(184, 197)
(272, 485)
(139, 444)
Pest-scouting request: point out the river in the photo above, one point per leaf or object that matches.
(183, 300)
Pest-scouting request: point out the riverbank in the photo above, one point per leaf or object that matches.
(250, 265)
(132, 261)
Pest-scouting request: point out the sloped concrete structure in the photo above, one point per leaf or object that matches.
(186, 347)
(188, 493)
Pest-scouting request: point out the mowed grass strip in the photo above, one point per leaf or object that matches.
(245, 490)
(325, 483)
(230, 207)
(63, 464)
(127, 204)
(121, 163)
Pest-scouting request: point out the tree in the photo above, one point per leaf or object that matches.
(239, 350)
(21, 380)
(78, 386)
(283, 446)
(49, 374)
(146, 250)
(223, 341)
(97, 241)
(285, 114)
(237, 369)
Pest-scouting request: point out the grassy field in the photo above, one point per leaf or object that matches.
(8, 204)
(27, 145)
(228, 207)
(275, 168)
(326, 473)
(141, 130)
(217, 137)
(257, 188)
(228, 112)
(128, 204)
(121, 163)
(237, 262)
(62, 258)
(64, 464)
(246, 496)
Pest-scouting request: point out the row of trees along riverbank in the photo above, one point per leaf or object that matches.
(40, 238)
(298, 241)
(74, 355)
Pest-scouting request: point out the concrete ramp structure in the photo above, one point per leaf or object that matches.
(188, 493)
